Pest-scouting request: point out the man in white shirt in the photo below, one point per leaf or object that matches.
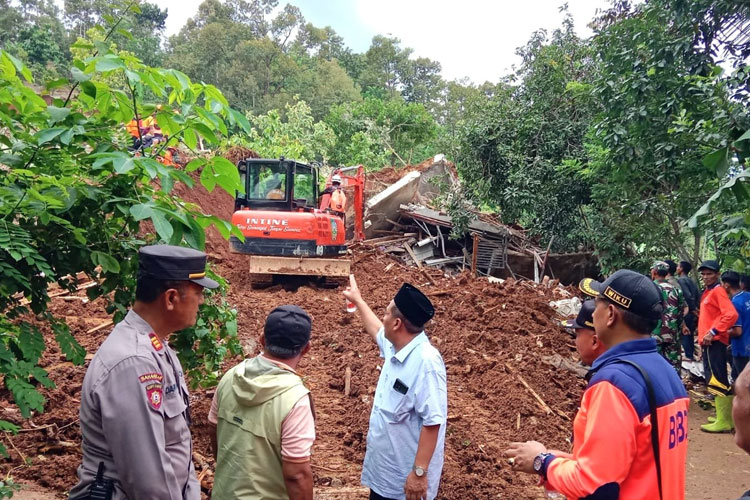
(406, 438)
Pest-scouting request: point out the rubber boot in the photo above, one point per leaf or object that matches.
(723, 422)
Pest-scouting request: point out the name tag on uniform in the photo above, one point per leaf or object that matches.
(399, 386)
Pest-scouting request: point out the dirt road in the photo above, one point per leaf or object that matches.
(716, 468)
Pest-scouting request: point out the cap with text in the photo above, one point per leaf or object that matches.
(633, 292)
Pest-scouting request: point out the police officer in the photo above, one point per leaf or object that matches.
(135, 413)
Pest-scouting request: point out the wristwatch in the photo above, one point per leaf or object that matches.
(419, 471)
(539, 463)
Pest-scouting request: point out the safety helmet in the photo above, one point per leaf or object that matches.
(336, 179)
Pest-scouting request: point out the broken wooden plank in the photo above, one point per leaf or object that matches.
(347, 381)
(443, 260)
(408, 249)
(99, 327)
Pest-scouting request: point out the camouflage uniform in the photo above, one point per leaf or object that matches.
(667, 332)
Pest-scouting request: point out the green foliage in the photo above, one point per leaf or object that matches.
(375, 132)
(726, 214)
(73, 198)
(516, 149)
(216, 335)
(664, 107)
(296, 136)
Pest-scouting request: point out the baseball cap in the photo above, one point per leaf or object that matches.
(288, 326)
(169, 262)
(414, 305)
(585, 318)
(711, 265)
(633, 292)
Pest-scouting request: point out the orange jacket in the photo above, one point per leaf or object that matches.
(338, 200)
(612, 451)
(717, 312)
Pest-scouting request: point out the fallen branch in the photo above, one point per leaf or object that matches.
(347, 381)
(538, 398)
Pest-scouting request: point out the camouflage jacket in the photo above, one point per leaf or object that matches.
(668, 329)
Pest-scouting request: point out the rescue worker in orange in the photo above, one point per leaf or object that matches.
(717, 315)
(338, 198)
(633, 395)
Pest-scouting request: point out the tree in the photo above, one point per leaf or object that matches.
(296, 135)
(664, 107)
(72, 199)
(381, 131)
(515, 147)
(257, 61)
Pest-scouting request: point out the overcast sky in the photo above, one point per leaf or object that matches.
(470, 38)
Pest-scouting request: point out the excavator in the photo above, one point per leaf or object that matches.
(289, 227)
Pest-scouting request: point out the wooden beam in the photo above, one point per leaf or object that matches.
(408, 249)
(474, 255)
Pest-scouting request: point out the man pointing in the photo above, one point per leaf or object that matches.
(405, 441)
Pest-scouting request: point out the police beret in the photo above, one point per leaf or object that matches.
(414, 305)
(168, 262)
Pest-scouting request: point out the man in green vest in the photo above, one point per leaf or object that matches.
(264, 417)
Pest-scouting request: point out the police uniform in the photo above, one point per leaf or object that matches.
(135, 410)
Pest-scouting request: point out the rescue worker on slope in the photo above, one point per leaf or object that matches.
(338, 198)
(135, 407)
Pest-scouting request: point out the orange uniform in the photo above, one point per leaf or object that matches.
(612, 451)
(716, 312)
(338, 200)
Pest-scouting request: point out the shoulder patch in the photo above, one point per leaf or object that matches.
(154, 395)
(158, 346)
(151, 377)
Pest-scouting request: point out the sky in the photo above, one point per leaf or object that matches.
(476, 39)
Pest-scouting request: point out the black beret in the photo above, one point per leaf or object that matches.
(168, 262)
(414, 305)
(288, 327)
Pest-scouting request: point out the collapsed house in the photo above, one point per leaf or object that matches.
(402, 218)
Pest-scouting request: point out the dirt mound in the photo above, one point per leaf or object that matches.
(490, 335)
(237, 153)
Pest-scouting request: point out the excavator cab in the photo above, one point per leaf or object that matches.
(286, 231)
(277, 185)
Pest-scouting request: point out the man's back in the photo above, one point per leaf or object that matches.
(253, 402)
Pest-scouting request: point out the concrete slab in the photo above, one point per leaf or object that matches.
(386, 203)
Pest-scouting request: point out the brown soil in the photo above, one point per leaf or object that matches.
(377, 181)
(486, 333)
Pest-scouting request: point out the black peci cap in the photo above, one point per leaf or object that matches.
(414, 305)
(633, 292)
(168, 262)
(711, 265)
(585, 318)
(288, 327)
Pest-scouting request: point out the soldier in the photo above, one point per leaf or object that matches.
(135, 413)
(667, 333)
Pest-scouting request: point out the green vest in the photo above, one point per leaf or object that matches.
(253, 398)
